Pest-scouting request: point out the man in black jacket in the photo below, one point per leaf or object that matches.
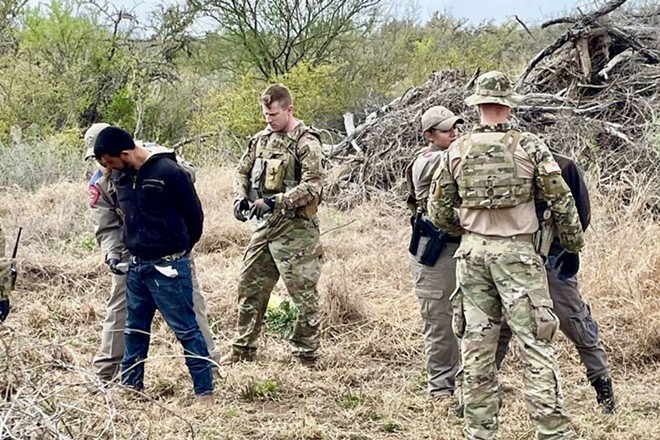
(162, 222)
(574, 314)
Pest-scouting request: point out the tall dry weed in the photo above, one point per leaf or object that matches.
(369, 381)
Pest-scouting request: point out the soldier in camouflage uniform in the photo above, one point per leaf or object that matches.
(431, 255)
(485, 190)
(6, 279)
(109, 230)
(279, 185)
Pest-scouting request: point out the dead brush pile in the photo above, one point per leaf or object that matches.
(594, 93)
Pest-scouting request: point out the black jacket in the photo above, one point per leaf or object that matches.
(573, 177)
(162, 213)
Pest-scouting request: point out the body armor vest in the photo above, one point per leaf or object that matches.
(276, 166)
(488, 172)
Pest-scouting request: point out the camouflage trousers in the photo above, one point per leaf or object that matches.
(433, 286)
(106, 362)
(290, 248)
(575, 321)
(505, 279)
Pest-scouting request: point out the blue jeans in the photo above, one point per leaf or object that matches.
(148, 290)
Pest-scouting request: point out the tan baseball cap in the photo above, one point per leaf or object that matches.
(494, 87)
(90, 137)
(439, 117)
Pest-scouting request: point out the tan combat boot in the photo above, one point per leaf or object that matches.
(234, 357)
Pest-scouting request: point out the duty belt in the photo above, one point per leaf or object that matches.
(527, 238)
(172, 257)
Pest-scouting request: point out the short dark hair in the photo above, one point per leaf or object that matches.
(112, 141)
(276, 93)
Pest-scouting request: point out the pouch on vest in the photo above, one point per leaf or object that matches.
(274, 176)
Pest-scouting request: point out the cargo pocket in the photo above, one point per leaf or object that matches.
(585, 329)
(546, 322)
(458, 318)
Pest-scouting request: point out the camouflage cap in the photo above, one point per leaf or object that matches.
(439, 117)
(494, 87)
(90, 136)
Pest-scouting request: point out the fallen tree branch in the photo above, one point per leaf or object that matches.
(199, 138)
(563, 39)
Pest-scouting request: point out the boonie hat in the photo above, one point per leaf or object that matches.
(494, 87)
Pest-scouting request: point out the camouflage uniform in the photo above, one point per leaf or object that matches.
(107, 216)
(286, 242)
(485, 188)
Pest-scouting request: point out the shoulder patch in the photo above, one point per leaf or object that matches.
(427, 153)
(94, 194)
(551, 167)
(435, 190)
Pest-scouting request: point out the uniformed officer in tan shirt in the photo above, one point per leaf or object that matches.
(434, 270)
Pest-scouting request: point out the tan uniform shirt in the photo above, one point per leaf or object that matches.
(422, 171)
(502, 222)
(106, 215)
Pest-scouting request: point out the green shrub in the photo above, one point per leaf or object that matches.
(280, 319)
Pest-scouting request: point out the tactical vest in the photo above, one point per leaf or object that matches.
(276, 166)
(488, 172)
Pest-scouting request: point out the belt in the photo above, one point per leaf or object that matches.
(456, 240)
(527, 238)
(172, 257)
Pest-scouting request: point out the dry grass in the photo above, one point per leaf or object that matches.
(369, 384)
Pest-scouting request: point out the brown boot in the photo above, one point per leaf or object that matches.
(234, 357)
(306, 360)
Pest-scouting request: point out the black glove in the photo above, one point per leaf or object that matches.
(566, 265)
(4, 309)
(261, 207)
(240, 206)
(112, 264)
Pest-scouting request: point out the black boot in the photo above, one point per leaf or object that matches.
(604, 393)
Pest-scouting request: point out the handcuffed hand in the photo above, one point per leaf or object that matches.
(567, 264)
(112, 264)
(240, 206)
(261, 207)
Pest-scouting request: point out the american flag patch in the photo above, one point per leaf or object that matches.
(93, 193)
